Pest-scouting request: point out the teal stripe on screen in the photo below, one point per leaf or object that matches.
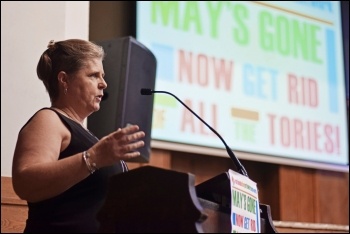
(332, 71)
(165, 61)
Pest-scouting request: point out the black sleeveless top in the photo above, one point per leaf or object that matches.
(75, 209)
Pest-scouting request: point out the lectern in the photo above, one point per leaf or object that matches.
(150, 199)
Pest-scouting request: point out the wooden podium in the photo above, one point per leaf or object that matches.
(151, 199)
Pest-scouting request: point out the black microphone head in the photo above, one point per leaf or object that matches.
(146, 91)
(105, 96)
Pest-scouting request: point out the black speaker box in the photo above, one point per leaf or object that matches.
(129, 66)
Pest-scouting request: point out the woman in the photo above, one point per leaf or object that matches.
(59, 167)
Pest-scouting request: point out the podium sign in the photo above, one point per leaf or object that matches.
(245, 213)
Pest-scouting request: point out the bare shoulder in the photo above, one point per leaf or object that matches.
(40, 141)
(45, 131)
(44, 119)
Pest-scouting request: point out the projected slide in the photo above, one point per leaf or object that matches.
(268, 76)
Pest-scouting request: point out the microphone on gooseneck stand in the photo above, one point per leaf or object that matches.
(237, 163)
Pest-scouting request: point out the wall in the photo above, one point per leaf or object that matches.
(26, 29)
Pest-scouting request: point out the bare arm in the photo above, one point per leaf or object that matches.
(37, 174)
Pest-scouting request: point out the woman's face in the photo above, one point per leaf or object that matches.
(87, 85)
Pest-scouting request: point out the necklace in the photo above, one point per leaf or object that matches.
(123, 164)
(70, 117)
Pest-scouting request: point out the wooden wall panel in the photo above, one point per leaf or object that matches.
(310, 195)
(332, 197)
(158, 158)
(13, 218)
(14, 211)
(203, 167)
(297, 200)
(106, 17)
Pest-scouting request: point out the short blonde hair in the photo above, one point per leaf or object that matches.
(68, 56)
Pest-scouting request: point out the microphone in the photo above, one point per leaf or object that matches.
(105, 96)
(237, 163)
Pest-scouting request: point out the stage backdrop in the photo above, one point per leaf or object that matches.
(268, 76)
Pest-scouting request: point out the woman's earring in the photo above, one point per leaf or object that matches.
(65, 91)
